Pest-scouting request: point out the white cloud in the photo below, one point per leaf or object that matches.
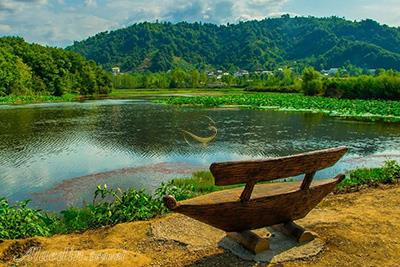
(90, 3)
(4, 28)
(19, 5)
(60, 22)
(258, 9)
(386, 11)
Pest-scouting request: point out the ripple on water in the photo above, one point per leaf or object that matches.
(43, 147)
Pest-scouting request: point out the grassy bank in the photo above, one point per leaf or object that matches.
(132, 93)
(370, 110)
(389, 173)
(110, 206)
(37, 99)
(117, 94)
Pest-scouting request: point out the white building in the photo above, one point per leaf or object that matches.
(241, 73)
(330, 72)
(116, 70)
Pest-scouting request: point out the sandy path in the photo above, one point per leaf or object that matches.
(360, 229)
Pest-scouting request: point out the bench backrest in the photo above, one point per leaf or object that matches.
(228, 173)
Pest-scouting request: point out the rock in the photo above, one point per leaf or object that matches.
(282, 248)
(199, 236)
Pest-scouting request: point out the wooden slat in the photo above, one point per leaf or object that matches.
(259, 191)
(228, 173)
(307, 181)
(248, 189)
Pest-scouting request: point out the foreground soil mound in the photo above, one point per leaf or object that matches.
(359, 229)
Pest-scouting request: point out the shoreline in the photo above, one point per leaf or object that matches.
(348, 109)
(37, 99)
(352, 224)
(111, 206)
(115, 94)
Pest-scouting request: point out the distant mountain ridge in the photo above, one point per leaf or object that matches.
(252, 45)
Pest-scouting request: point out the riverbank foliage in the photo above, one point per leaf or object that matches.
(389, 173)
(112, 206)
(281, 80)
(349, 82)
(31, 69)
(382, 85)
(371, 110)
(19, 221)
(31, 99)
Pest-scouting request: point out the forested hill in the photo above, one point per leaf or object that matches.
(32, 69)
(320, 42)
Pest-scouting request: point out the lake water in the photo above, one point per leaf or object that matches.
(56, 154)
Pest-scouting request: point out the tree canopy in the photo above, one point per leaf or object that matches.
(267, 44)
(27, 69)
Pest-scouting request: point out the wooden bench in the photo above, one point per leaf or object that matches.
(260, 205)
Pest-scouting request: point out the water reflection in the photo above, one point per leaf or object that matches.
(43, 147)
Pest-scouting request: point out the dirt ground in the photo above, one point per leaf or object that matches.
(359, 229)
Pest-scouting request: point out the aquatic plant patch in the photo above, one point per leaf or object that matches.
(370, 110)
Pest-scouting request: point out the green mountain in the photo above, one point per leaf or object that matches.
(253, 45)
(27, 69)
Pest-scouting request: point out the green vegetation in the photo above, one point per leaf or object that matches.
(180, 78)
(37, 99)
(371, 110)
(201, 182)
(253, 45)
(388, 174)
(130, 205)
(35, 71)
(384, 85)
(131, 93)
(111, 206)
(380, 85)
(311, 84)
(19, 221)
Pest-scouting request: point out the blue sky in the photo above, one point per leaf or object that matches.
(60, 22)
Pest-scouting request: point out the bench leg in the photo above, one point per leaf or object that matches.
(296, 231)
(251, 241)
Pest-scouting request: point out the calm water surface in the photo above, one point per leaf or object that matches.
(56, 154)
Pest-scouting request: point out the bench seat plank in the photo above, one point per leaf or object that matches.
(259, 191)
(264, 209)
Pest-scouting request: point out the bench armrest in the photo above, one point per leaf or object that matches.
(248, 189)
(170, 202)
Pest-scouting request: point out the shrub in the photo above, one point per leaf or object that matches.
(383, 86)
(312, 84)
(76, 219)
(388, 174)
(19, 221)
(391, 172)
(112, 206)
(181, 192)
(333, 88)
